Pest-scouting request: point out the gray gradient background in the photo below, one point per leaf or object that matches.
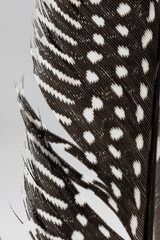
(16, 32)
(15, 59)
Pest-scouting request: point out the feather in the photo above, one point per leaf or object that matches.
(157, 171)
(95, 62)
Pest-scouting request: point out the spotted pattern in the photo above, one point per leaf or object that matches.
(96, 69)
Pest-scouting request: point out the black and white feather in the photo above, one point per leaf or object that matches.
(95, 62)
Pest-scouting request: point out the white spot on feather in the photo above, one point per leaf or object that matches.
(137, 197)
(134, 224)
(116, 172)
(147, 38)
(139, 113)
(137, 168)
(94, 56)
(104, 231)
(95, 1)
(91, 157)
(118, 90)
(143, 91)
(82, 219)
(123, 30)
(89, 137)
(116, 190)
(145, 65)
(77, 235)
(116, 133)
(91, 77)
(158, 149)
(152, 13)
(114, 151)
(98, 38)
(97, 103)
(88, 114)
(98, 20)
(119, 111)
(139, 142)
(123, 9)
(121, 71)
(123, 51)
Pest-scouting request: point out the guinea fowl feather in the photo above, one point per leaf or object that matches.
(95, 62)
